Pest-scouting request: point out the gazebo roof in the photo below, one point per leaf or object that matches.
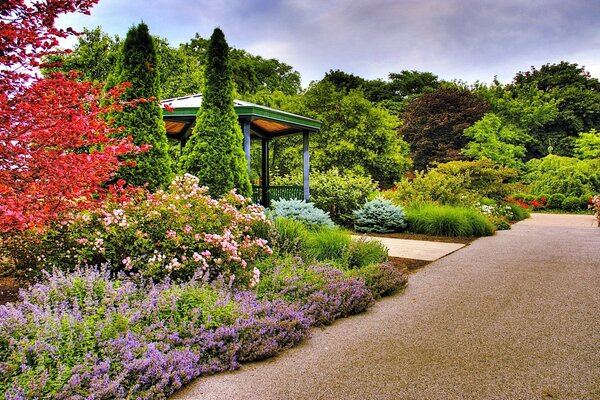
(265, 122)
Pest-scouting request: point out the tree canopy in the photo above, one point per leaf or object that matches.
(434, 124)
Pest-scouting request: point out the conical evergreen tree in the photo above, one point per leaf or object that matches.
(137, 64)
(214, 152)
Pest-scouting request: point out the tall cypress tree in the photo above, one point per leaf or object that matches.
(137, 64)
(214, 152)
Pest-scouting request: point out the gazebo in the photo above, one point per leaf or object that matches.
(258, 123)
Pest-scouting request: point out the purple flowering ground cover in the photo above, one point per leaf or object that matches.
(83, 335)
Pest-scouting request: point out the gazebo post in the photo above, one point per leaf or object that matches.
(265, 173)
(246, 130)
(306, 165)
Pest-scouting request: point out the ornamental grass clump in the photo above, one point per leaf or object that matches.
(301, 211)
(362, 252)
(289, 236)
(379, 216)
(171, 233)
(431, 219)
(87, 335)
(327, 244)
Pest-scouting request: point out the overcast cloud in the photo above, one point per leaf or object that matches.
(455, 39)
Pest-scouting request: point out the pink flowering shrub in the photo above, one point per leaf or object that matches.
(173, 233)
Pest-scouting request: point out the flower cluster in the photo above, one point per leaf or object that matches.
(174, 233)
(542, 202)
(85, 335)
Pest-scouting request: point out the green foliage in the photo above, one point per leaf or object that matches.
(382, 279)
(289, 236)
(432, 219)
(518, 213)
(574, 203)
(137, 65)
(94, 56)
(363, 252)
(577, 96)
(565, 175)
(340, 194)
(454, 183)
(301, 211)
(501, 223)
(587, 146)
(214, 152)
(379, 216)
(434, 124)
(355, 135)
(327, 244)
(497, 141)
(482, 176)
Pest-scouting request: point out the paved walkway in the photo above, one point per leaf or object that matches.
(513, 316)
(417, 249)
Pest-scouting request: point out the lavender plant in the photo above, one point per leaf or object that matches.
(320, 290)
(85, 335)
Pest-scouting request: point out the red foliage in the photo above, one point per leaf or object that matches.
(56, 149)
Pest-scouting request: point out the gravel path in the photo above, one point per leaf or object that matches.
(514, 316)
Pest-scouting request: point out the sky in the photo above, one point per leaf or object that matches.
(468, 40)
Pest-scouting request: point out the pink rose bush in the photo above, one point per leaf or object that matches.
(177, 232)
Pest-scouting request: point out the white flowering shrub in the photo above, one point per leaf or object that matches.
(175, 233)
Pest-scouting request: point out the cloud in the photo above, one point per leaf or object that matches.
(463, 39)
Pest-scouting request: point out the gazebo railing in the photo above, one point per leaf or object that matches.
(278, 192)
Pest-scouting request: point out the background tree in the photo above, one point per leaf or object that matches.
(577, 95)
(500, 142)
(587, 145)
(434, 124)
(94, 56)
(214, 152)
(137, 64)
(56, 150)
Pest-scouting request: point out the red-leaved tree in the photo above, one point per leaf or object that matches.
(56, 147)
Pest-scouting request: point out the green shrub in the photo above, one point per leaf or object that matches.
(381, 279)
(327, 244)
(340, 194)
(289, 236)
(568, 176)
(302, 211)
(362, 252)
(501, 223)
(454, 183)
(555, 200)
(432, 186)
(432, 219)
(379, 216)
(518, 213)
(573, 203)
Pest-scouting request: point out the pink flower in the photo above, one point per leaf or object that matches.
(187, 229)
(171, 234)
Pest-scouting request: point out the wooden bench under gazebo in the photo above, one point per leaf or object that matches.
(258, 123)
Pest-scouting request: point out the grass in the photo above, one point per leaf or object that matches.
(432, 219)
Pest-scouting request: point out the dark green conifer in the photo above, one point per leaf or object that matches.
(137, 65)
(214, 152)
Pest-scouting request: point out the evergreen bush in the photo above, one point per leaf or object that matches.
(379, 216)
(301, 211)
(214, 152)
(144, 123)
